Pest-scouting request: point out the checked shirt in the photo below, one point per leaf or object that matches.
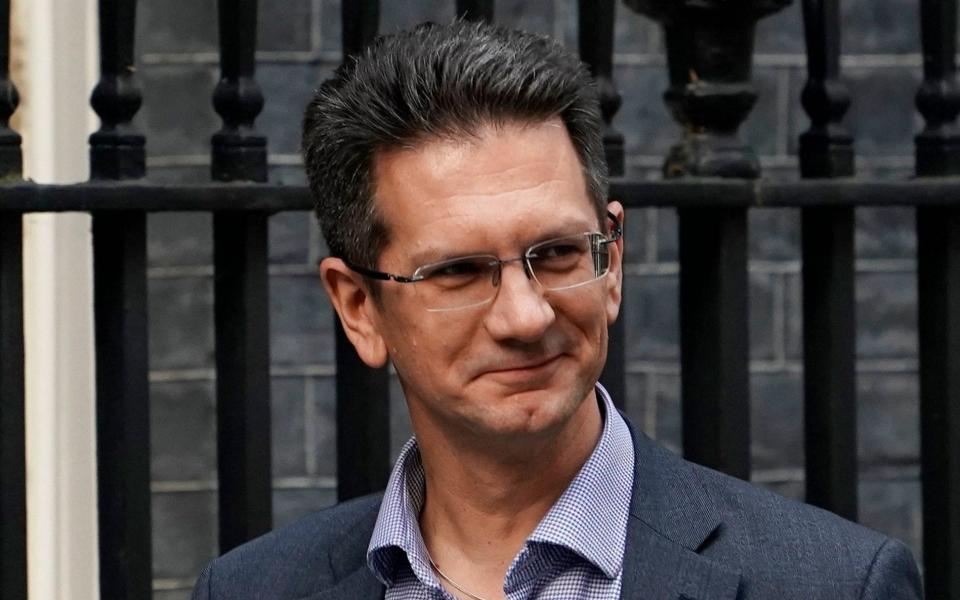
(575, 552)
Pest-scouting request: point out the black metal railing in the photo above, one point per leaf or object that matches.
(711, 179)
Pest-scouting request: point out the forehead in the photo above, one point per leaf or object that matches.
(503, 180)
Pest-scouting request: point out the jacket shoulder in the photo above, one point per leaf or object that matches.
(787, 549)
(295, 560)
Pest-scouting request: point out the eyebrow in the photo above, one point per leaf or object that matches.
(433, 255)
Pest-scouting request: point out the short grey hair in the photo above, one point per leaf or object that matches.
(430, 82)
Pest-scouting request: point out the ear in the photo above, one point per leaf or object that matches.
(615, 276)
(358, 312)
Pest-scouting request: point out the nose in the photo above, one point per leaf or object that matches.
(519, 311)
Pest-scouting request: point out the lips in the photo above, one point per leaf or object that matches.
(524, 366)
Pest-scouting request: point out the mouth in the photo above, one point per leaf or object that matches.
(524, 370)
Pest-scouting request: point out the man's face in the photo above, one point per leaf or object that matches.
(525, 362)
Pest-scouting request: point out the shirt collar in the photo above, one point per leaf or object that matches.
(589, 518)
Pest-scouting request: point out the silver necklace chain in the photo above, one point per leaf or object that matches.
(453, 583)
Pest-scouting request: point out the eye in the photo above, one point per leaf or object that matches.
(457, 272)
(460, 268)
(557, 250)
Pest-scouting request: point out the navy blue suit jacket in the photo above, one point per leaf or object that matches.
(693, 534)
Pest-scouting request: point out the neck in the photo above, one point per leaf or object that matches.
(484, 499)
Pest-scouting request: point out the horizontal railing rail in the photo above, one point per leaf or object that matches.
(142, 195)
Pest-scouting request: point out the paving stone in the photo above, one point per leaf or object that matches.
(290, 237)
(287, 88)
(291, 504)
(635, 230)
(286, 174)
(776, 420)
(284, 25)
(790, 489)
(181, 322)
(301, 322)
(793, 316)
(635, 404)
(893, 508)
(183, 594)
(763, 127)
(880, 27)
(176, 26)
(633, 33)
(781, 32)
(886, 315)
(183, 431)
(324, 426)
(652, 317)
(179, 175)
(643, 118)
(179, 238)
(667, 400)
(882, 116)
(886, 232)
(395, 16)
(774, 234)
(331, 24)
(184, 533)
(668, 243)
(287, 416)
(177, 117)
(400, 427)
(538, 17)
(888, 418)
(761, 308)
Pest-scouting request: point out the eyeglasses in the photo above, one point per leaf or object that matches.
(556, 264)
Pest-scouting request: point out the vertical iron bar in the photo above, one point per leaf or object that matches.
(13, 502)
(714, 338)
(13, 482)
(120, 322)
(938, 99)
(829, 351)
(710, 59)
(241, 309)
(363, 394)
(360, 22)
(595, 33)
(938, 274)
(123, 422)
(241, 299)
(11, 159)
(116, 149)
(363, 423)
(826, 150)
(938, 302)
(239, 153)
(475, 10)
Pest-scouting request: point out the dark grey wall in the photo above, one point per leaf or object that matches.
(299, 43)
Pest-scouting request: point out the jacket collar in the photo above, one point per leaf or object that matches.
(672, 519)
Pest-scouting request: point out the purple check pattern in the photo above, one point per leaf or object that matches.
(576, 552)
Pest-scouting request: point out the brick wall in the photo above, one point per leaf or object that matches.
(299, 46)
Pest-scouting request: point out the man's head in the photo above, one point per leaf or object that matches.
(473, 155)
(436, 82)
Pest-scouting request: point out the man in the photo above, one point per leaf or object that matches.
(459, 178)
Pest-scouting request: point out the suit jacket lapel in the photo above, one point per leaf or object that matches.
(671, 520)
(361, 584)
(348, 564)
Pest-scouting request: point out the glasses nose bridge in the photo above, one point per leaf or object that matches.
(498, 271)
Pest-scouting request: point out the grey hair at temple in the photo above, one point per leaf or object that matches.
(434, 82)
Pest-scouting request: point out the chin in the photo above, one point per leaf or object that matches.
(532, 412)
